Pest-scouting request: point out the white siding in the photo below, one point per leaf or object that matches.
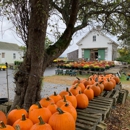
(9, 56)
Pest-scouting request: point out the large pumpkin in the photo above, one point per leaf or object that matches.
(24, 123)
(62, 120)
(15, 114)
(5, 127)
(41, 125)
(3, 117)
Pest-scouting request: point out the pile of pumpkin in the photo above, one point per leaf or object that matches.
(58, 111)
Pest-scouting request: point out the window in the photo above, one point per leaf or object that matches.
(94, 38)
(3, 55)
(14, 56)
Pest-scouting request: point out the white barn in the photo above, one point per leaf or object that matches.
(9, 53)
(97, 46)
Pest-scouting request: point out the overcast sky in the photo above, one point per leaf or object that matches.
(7, 34)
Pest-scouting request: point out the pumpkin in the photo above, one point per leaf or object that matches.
(5, 127)
(69, 108)
(46, 101)
(76, 81)
(101, 85)
(40, 111)
(24, 123)
(82, 100)
(108, 85)
(56, 97)
(3, 117)
(62, 102)
(72, 99)
(52, 107)
(41, 125)
(117, 79)
(89, 92)
(87, 82)
(62, 120)
(96, 89)
(64, 92)
(15, 114)
(74, 89)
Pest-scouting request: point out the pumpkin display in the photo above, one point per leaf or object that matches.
(56, 97)
(40, 111)
(46, 101)
(89, 92)
(5, 127)
(72, 99)
(3, 117)
(24, 123)
(15, 114)
(82, 100)
(41, 125)
(62, 120)
(69, 108)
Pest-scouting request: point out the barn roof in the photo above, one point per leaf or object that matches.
(94, 29)
(9, 46)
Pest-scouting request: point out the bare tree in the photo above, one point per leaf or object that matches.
(30, 17)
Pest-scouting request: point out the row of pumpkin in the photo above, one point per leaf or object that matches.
(58, 111)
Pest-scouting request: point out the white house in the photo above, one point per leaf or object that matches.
(97, 46)
(9, 53)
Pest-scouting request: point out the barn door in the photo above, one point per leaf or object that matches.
(87, 54)
(101, 54)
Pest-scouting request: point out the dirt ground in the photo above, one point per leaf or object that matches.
(119, 119)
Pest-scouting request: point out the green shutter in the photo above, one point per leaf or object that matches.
(101, 54)
(87, 54)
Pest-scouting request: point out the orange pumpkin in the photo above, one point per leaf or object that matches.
(96, 89)
(62, 120)
(3, 117)
(56, 97)
(69, 108)
(64, 92)
(72, 99)
(46, 101)
(52, 107)
(62, 102)
(40, 111)
(108, 85)
(24, 123)
(89, 92)
(82, 100)
(41, 125)
(5, 127)
(15, 114)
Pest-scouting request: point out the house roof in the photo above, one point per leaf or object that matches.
(9, 46)
(94, 29)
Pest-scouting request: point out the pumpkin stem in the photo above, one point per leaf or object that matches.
(78, 78)
(64, 98)
(41, 121)
(60, 111)
(67, 89)
(39, 105)
(17, 127)
(67, 104)
(2, 124)
(47, 98)
(55, 94)
(23, 117)
(70, 94)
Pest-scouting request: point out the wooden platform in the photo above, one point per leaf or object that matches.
(92, 118)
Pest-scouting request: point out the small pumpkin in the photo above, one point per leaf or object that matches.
(46, 101)
(40, 111)
(5, 127)
(64, 92)
(82, 100)
(69, 108)
(108, 85)
(3, 117)
(24, 123)
(15, 114)
(52, 107)
(62, 120)
(41, 125)
(96, 89)
(56, 97)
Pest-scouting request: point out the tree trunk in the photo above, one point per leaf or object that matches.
(29, 77)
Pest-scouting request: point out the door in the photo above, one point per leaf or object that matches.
(101, 54)
(87, 54)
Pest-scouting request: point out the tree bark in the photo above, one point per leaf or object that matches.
(30, 74)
